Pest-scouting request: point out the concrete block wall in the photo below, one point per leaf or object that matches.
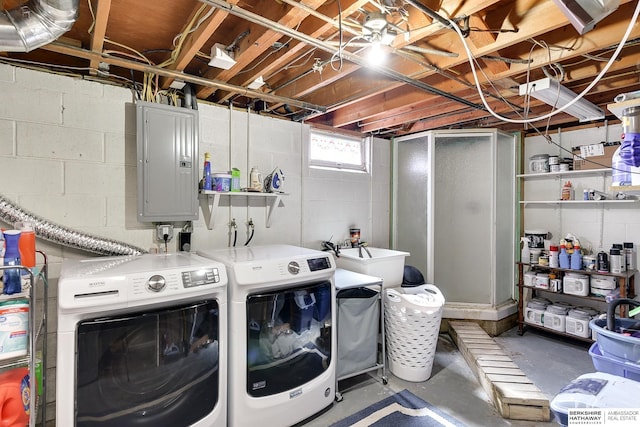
(68, 155)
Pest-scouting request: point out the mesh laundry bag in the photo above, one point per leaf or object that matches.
(412, 323)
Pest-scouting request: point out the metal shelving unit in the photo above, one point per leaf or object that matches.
(37, 333)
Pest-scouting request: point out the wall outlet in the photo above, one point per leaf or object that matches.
(162, 229)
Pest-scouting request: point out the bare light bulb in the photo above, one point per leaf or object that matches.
(376, 55)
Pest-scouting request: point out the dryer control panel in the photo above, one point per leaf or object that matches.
(203, 276)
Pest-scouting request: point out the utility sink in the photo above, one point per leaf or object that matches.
(386, 264)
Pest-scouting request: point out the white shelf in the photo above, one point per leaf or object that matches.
(212, 200)
(576, 202)
(565, 173)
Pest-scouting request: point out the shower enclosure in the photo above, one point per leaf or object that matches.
(454, 211)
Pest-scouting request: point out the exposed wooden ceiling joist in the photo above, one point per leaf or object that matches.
(294, 46)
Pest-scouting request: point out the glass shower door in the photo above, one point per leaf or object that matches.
(463, 215)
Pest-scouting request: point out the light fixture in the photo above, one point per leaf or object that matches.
(374, 21)
(257, 83)
(553, 93)
(585, 14)
(376, 55)
(220, 58)
(375, 29)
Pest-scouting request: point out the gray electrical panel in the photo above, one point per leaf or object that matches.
(167, 142)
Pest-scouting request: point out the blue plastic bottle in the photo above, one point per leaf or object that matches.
(576, 258)
(11, 279)
(207, 183)
(563, 257)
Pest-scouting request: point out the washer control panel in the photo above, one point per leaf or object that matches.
(293, 267)
(156, 283)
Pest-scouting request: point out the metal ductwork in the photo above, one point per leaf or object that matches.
(36, 23)
(10, 213)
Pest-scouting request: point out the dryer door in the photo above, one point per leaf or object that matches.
(288, 338)
(149, 368)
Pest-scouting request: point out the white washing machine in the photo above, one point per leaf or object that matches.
(142, 341)
(282, 349)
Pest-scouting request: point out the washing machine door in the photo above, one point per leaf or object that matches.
(288, 337)
(148, 369)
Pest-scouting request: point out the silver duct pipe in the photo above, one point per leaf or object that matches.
(10, 213)
(36, 23)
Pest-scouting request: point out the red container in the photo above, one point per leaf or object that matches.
(27, 245)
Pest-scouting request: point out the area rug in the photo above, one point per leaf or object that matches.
(403, 409)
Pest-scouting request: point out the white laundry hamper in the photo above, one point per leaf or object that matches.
(412, 323)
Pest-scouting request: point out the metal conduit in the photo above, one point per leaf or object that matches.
(257, 19)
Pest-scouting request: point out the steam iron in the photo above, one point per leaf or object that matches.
(274, 181)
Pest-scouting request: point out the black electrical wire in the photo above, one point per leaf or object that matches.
(250, 236)
(235, 237)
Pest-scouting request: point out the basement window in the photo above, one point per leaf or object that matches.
(328, 150)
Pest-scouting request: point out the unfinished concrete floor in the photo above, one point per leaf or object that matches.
(550, 361)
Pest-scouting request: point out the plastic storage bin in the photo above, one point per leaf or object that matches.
(595, 390)
(612, 343)
(412, 323)
(577, 322)
(555, 317)
(612, 366)
(534, 311)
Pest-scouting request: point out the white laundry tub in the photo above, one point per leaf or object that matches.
(386, 264)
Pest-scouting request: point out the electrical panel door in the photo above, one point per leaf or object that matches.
(167, 143)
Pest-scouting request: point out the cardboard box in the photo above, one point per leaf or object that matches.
(593, 156)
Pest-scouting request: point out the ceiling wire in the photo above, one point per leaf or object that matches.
(564, 107)
(272, 52)
(195, 26)
(340, 32)
(93, 17)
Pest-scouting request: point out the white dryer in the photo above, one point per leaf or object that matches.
(282, 349)
(142, 341)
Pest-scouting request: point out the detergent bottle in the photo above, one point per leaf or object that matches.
(207, 180)
(15, 397)
(12, 280)
(525, 255)
(576, 258)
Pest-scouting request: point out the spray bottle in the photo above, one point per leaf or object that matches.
(207, 183)
(525, 255)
